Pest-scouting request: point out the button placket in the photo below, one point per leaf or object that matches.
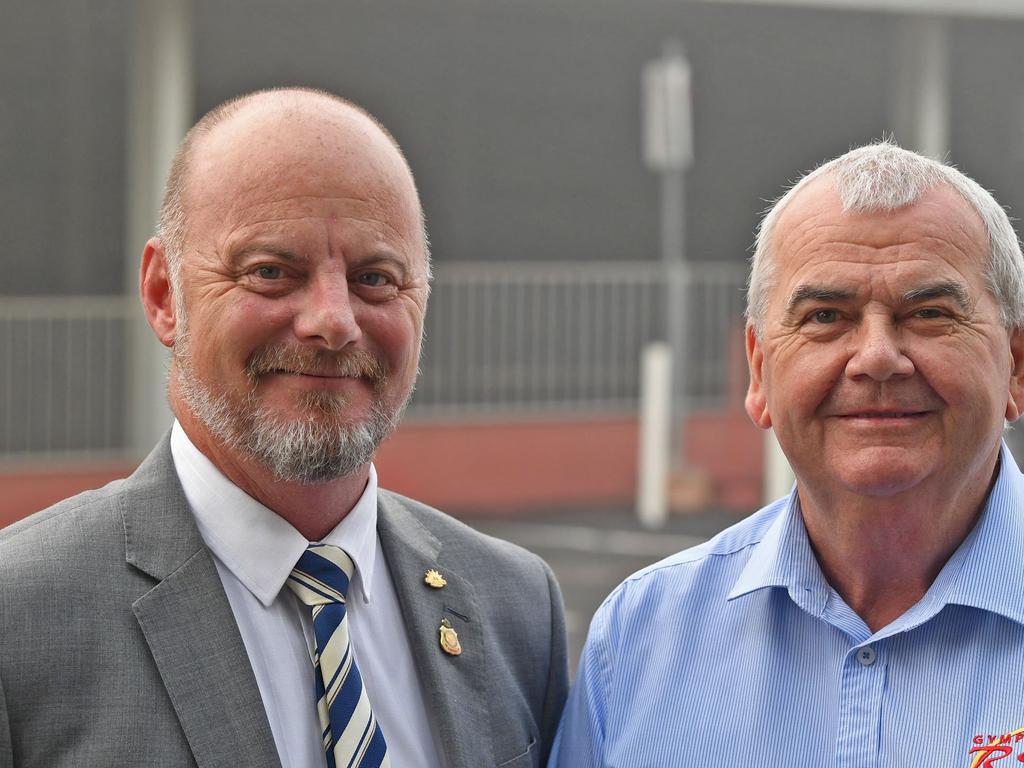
(860, 708)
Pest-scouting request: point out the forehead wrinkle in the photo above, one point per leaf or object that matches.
(314, 217)
(373, 221)
(354, 207)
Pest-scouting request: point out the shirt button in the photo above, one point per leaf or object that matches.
(866, 656)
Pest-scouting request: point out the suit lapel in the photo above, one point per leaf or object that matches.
(457, 688)
(189, 627)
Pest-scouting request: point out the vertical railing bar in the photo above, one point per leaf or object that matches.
(108, 403)
(87, 395)
(28, 386)
(9, 376)
(68, 367)
(501, 342)
(524, 323)
(48, 391)
(551, 378)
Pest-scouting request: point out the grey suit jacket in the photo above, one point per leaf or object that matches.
(118, 646)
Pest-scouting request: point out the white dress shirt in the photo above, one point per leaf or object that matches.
(255, 550)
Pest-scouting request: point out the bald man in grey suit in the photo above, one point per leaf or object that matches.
(146, 623)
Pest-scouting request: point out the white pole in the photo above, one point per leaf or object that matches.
(159, 113)
(778, 475)
(655, 435)
(920, 102)
(668, 149)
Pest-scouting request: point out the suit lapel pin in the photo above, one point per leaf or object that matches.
(434, 579)
(449, 639)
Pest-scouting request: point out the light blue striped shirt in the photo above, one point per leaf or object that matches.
(739, 653)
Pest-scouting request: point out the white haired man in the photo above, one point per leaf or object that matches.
(249, 597)
(874, 616)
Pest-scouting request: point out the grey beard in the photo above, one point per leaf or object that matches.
(309, 451)
(313, 448)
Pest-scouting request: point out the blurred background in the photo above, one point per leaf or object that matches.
(592, 173)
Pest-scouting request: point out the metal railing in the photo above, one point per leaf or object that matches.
(63, 381)
(529, 338)
(509, 340)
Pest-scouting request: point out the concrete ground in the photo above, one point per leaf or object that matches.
(592, 552)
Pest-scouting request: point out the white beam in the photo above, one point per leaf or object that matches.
(998, 9)
(159, 112)
(778, 475)
(653, 460)
(920, 99)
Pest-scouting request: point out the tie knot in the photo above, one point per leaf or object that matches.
(322, 575)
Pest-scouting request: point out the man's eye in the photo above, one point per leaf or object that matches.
(373, 279)
(269, 272)
(928, 313)
(825, 316)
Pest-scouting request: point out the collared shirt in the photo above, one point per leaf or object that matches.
(739, 653)
(255, 550)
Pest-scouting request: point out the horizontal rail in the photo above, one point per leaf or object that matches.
(509, 340)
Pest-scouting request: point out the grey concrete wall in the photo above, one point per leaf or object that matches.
(62, 131)
(521, 119)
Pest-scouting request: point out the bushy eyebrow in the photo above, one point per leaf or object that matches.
(273, 250)
(945, 289)
(816, 293)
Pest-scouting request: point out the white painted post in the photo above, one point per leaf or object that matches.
(159, 112)
(778, 475)
(919, 106)
(655, 435)
(668, 150)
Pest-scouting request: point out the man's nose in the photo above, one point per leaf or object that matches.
(878, 352)
(326, 315)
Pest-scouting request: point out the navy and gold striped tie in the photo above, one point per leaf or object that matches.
(351, 736)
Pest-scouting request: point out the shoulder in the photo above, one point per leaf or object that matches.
(67, 560)
(65, 530)
(458, 541)
(687, 585)
(74, 529)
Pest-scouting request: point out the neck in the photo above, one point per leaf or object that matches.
(313, 509)
(882, 555)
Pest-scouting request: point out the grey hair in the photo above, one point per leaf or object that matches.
(885, 177)
(172, 226)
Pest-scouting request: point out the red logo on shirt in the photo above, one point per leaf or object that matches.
(989, 750)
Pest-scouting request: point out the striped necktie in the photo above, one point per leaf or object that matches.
(351, 736)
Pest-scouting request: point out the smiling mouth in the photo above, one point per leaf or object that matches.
(314, 374)
(882, 415)
(325, 369)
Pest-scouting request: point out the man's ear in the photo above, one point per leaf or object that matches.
(756, 401)
(157, 292)
(1015, 401)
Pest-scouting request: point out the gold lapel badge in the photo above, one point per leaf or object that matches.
(434, 579)
(449, 639)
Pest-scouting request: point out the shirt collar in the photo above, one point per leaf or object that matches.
(256, 545)
(982, 573)
(988, 567)
(784, 558)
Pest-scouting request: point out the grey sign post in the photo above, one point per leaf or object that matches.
(668, 150)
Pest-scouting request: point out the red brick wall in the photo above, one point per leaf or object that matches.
(499, 468)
